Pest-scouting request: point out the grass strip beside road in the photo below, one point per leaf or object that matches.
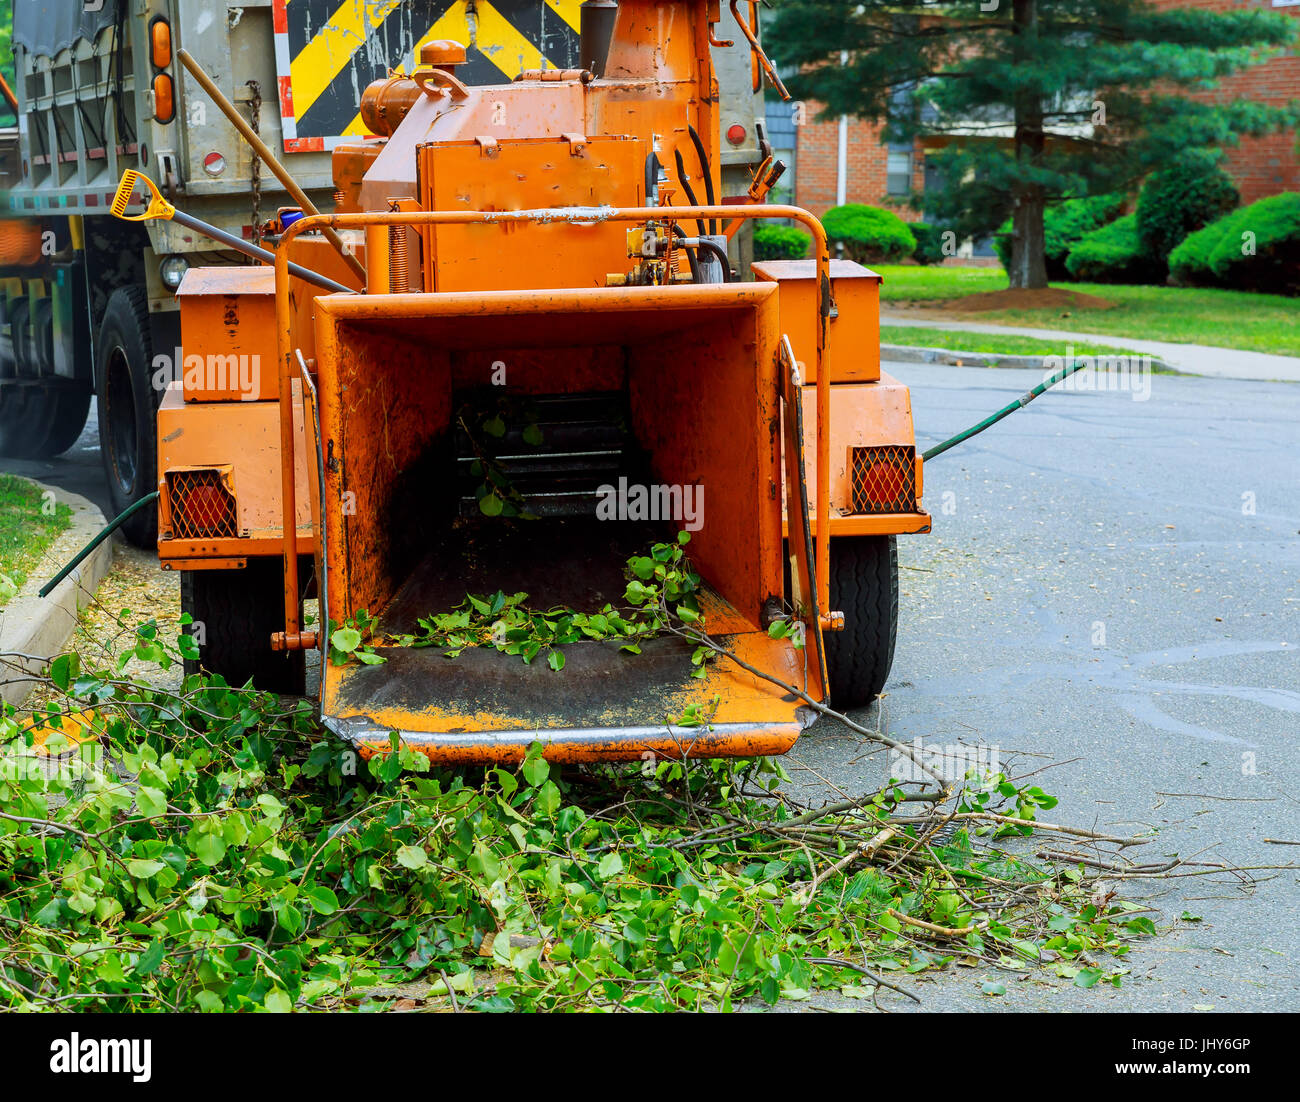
(1000, 344)
(1185, 315)
(28, 525)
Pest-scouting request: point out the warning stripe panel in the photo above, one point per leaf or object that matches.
(327, 51)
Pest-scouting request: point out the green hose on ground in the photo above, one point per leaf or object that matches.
(113, 524)
(1020, 403)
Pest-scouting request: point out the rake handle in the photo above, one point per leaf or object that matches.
(257, 252)
(260, 148)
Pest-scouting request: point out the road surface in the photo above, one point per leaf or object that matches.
(1114, 584)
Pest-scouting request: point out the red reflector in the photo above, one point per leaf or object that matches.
(884, 483)
(736, 135)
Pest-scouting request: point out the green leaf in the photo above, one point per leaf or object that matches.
(610, 865)
(63, 669)
(412, 857)
(150, 801)
(210, 849)
(991, 988)
(555, 660)
(346, 640)
(323, 900)
(1087, 977)
(533, 436)
(490, 505)
(149, 960)
(144, 869)
(278, 1002)
(536, 770)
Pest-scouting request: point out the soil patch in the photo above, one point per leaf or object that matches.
(1047, 298)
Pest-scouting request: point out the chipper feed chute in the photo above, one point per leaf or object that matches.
(670, 391)
(548, 321)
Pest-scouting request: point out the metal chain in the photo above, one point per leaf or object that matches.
(255, 182)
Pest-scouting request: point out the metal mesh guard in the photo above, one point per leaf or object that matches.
(883, 479)
(201, 506)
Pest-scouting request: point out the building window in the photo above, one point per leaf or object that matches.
(898, 173)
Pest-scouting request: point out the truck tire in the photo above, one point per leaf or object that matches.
(68, 408)
(239, 609)
(128, 410)
(864, 586)
(22, 417)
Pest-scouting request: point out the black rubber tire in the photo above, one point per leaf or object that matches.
(239, 610)
(128, 410)
(24, 417)
(864, 586)
(70, 408)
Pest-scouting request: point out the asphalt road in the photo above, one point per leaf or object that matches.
(1099, 593)
(1090, 513)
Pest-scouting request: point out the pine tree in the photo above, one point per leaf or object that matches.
(1034, 100)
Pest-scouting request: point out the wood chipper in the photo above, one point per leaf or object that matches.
(547, 260)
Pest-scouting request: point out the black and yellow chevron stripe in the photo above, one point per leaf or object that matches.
(337, 47)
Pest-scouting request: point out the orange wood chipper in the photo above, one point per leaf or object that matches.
(554, 245)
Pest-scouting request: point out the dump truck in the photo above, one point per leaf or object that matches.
(88, 303)
(548, 294)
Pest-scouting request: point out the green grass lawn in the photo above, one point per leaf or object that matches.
(1190, 315)
(1000, 344)
(26, 530)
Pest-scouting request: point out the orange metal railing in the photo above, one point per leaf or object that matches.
(293, 637)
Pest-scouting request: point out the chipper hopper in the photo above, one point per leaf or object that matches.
(548, 367)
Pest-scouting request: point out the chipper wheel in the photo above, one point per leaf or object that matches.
(128, 408)
(864, 586)
(238, 611)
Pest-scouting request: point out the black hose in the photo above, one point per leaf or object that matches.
(691, 258)
(129, 511)
(721, 254)
(651, 176)
(700, 228)
(707, 169)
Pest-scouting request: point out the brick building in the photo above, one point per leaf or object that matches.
(867, 171)
(1271, 164)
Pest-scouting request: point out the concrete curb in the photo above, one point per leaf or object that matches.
(949, 357)
(36, 626)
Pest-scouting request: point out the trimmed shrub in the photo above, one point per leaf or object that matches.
(1189, 263)
(1222, 255)
(1260, 250)
(1113, 254)
(780, 243)
(1064, 226)
(1190, 193)
(869, 234)
(929, 243)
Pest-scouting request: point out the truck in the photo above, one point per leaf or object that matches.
(552, 374)
(88, 305)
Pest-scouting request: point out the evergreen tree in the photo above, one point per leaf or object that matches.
(1038, 100)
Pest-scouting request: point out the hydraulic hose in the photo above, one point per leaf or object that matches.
(721, 254)
(112, 527)
(691, 258)
(707, 169)
(1005, 411)
(700, 227)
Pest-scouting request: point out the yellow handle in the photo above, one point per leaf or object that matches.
(158, 206)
